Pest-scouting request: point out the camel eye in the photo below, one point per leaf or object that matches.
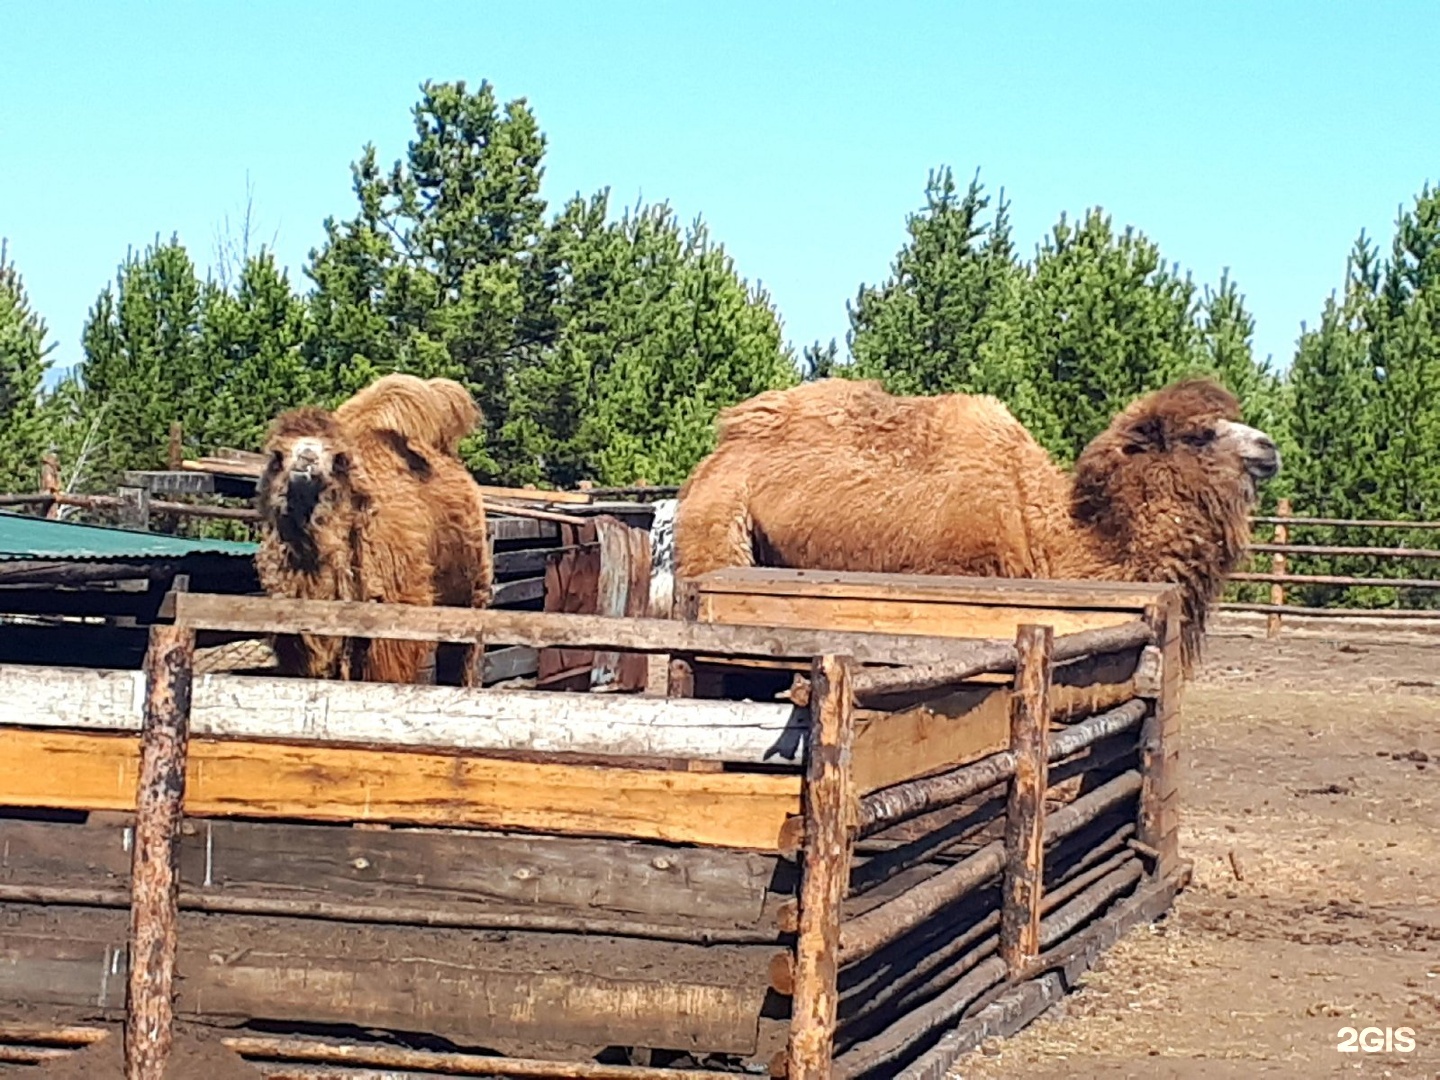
(277, 461)
(340, 464)
(1201, 439)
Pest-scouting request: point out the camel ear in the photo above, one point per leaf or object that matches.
(1146, 436)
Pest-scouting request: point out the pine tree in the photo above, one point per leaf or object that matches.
(24, 429)
(932, 327)
(143, 361)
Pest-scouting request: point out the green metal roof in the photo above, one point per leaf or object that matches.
(37, 538)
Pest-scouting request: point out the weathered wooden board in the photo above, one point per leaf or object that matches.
(533, 987)
(65, 770)
(615, 877)
(1002, 592)
(265, 615)
(386, 714)
(973, 722)
(882, 615)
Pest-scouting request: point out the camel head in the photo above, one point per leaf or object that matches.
(308, 475)
(1165, 492)
(1183, 442)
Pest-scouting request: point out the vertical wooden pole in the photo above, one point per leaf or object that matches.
(830, 814)
(681, 676)
(1277, 566)
(155, 861)
(1158, 826)
(1025, 813)
(50, 483)
(472, 672)
(135, 507)
(175, 451)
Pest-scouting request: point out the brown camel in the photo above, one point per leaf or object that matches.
(369, 503)
(840, 475)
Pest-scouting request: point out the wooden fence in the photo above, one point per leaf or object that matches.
(1282, 553)
(924, 848)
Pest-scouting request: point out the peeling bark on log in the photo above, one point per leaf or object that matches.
(1025, 814)
(155, 870)
(829, 813)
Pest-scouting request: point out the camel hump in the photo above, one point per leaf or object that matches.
(437, 412)
(775, 414)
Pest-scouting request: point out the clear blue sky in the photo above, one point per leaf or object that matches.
(1258, 136)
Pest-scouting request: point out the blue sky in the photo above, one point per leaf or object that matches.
(1257, 136)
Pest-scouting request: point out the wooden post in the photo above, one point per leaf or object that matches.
(1158, 824)
(50, 483)
(175, 451)
(155, 862)
(134, 508)
(1277, 566)
(681, 675)
(831, 813)
(1025, 814)
(472, 672)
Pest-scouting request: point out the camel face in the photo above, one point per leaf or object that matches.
(1192, 431)
(306, 471)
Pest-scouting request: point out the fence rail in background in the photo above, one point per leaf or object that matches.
(1281, 577)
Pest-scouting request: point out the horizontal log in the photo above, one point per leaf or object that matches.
(977, 658)
(453, 984)
(1337, 550)
(1025, 1002)
(49, 1035)
(903, 801)
(1333, 612)
(990, 657)
(265, 615)
(1358, 523)
(230, 778)
(388, 714)
(394, 1057)
(459, 917)
(923, 1010)
(478, 872)
(867, 933)
(1339, 579)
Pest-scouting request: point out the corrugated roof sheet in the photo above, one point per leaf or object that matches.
(24, 537)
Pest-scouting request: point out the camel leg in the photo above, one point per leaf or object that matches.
(713, 528)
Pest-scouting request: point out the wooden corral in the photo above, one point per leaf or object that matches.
(921, 843)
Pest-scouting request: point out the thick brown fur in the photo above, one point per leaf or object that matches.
(840, 475)
(388, 514)
(439, 412)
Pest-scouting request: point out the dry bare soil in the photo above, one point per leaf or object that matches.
(1316, 762)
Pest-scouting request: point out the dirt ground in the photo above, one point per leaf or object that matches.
(1315, 762)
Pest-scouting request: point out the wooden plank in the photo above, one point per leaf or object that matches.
(265, 615)
(155, 868)
(503, 529)
(960, 727)
(63, 770)
(1025, 812)
(611, 878)
(523, 591)
(943, 617)
(575, 498)
(540, 988)
(1023, 592)
(393, 715)
(571, 588)
(612, 592)
(829, 839)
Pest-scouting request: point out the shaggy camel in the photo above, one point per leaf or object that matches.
(840, 475)
(369, 503)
